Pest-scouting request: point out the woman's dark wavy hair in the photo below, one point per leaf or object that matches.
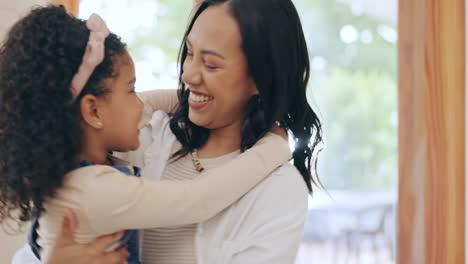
(40, 134)
(278, 61)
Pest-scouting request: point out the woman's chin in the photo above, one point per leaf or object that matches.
(197, 120)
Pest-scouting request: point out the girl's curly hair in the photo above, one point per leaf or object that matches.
(40, 133)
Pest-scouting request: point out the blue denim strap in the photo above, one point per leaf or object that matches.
(32, 238)
(130, 237)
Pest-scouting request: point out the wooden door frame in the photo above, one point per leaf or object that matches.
(72, 6)
(431, 208)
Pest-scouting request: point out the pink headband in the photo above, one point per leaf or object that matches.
(94, 54)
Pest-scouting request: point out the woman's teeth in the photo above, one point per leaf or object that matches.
(199, 98)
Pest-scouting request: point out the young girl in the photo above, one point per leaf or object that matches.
(67, 100)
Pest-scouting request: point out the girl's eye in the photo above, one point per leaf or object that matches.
(189, 54)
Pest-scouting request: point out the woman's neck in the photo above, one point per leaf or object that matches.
(221, 141)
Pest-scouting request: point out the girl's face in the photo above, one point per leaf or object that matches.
(121, 110)
(216, 71)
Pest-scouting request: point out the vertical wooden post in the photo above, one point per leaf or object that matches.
(72, 6)
(431, 214)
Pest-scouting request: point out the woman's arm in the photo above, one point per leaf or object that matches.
(114, 202)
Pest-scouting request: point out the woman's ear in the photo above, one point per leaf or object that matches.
(90, 111)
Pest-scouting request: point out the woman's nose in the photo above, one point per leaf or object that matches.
(191, 75)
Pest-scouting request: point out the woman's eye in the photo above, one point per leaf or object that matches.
(209, 67)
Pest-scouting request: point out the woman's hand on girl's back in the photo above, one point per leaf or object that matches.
(66, 250)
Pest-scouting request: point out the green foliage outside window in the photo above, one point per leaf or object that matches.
(353, 85)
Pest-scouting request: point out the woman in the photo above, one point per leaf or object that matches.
(244, 67)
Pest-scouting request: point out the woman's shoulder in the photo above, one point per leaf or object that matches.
(287, 176)
(156, 141)
(285, 185)
(157, 129)
(282, 195)
(157, 119)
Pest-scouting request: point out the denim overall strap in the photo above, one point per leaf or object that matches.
(32, 238)
(129, 239)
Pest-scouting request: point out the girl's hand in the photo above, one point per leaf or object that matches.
(66, 250)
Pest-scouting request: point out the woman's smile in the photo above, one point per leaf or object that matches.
(199, 101)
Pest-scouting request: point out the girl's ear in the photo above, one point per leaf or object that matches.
(90, 111)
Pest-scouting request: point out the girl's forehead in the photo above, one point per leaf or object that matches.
(124, 59)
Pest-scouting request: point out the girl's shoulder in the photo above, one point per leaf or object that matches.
(83, 176)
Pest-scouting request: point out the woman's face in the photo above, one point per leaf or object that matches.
(216, 71)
